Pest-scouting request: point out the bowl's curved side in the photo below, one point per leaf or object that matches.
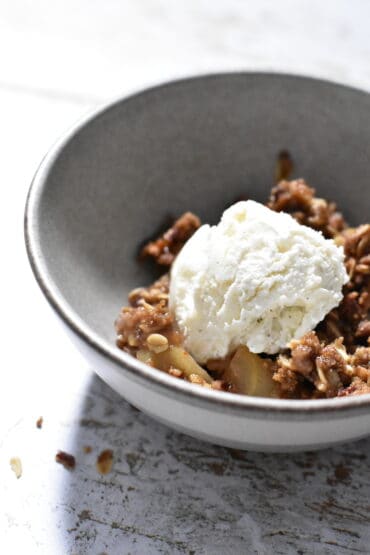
(256, 431)
(155, 392)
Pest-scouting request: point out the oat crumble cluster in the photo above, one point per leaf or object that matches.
(333, 360)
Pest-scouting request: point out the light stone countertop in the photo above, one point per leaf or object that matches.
(167, 493)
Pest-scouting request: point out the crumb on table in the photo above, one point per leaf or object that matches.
(16, 466)
(104, 461)
(67, 460)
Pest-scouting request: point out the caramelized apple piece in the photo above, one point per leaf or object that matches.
(250, 374)
(176, 357)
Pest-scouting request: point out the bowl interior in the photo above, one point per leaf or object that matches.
(197, 145)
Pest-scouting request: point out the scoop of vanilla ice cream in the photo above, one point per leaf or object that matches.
(258, 278)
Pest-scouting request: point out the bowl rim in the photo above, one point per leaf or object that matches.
(139, 371)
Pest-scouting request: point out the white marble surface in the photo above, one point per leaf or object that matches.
(166, 493)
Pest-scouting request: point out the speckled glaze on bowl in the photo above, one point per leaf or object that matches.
(195, 144)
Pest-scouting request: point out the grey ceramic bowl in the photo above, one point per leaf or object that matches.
(195, 144)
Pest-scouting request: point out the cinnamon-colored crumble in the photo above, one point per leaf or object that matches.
(357, 387)
(67, 460)
(321, 356)
(165, 248)
(329, 368)
(350, 319)
(104, 461)
(298, 199)
(39, 422)
(148, 314)
(333, 360)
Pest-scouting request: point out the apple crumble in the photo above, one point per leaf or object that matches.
(333, 359)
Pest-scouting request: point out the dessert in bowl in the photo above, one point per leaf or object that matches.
(193, 145)
(267, 305)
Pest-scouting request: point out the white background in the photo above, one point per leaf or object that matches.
(59, 60)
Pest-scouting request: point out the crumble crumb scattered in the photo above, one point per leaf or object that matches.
(104, 461)
(87, 449)
(67, 460)
(16, 466)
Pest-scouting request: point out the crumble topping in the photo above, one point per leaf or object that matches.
(165, 248)
(333, 360)
(328, 367)
(148, 314)
(350, 319)
(298, 199)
